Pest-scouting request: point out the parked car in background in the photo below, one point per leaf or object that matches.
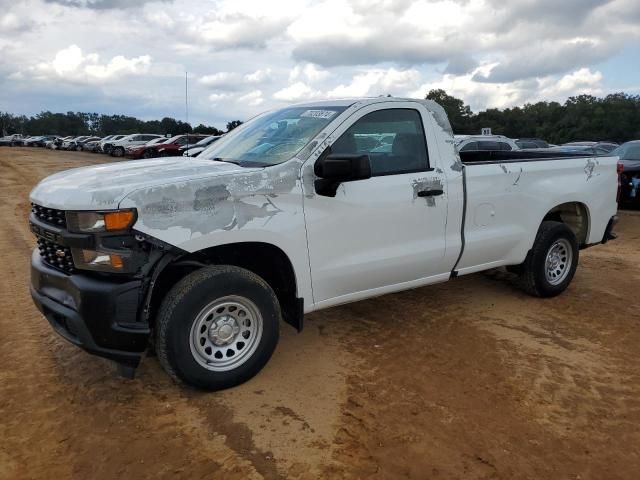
(171, 148)
(42, 141)
(470, 143)
(71, 143)
(50, 143)
(629, 170)
(107, 143)
(26, 141)
(11, 140)
(57, 143)
(118, 149)
(79, 144)
(91, 144)
(585, 149)
(601, 146)
(195, 150)
(531, 143)
(144, 151)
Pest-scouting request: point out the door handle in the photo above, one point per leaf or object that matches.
(430, 193)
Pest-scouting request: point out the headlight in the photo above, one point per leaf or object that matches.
(98, 260)
(88, 222)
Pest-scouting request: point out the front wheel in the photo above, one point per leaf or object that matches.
(217, 327)
(551, 263)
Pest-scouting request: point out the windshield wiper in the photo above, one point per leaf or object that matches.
(220, 159)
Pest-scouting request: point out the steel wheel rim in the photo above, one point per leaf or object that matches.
(558, 261)
(226, 333)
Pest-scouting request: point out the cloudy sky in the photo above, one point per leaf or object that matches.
(247, 56)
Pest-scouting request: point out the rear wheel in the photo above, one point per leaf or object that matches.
(217, 327)
(117, 151)
(551, 263)
(148, 153)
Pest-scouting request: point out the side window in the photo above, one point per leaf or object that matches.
(394, 139)
(469, 147)
(504, 146)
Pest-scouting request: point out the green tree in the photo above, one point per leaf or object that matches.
(459, 114)
(233, 124)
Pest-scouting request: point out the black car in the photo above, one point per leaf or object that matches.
(594, 150)
(600, 146)
(531, 143)
(629, 169)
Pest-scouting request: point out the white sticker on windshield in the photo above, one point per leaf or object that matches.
(325, 114)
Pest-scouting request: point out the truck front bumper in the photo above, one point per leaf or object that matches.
(98, 315)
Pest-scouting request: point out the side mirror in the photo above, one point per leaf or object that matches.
(335, 168)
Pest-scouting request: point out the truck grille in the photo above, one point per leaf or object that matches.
(56, 256)
(50, 215)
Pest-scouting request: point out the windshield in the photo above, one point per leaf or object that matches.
(273, 137)
(628, 151)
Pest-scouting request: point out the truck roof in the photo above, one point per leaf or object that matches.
(438, 112)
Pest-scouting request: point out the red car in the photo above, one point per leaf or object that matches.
(145, 150)
(171, 148)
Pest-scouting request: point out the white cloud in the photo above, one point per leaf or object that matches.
(582, 81)
(253, 99)
(308, 72)
(297, 92)
(221, 80)
(72, 65)
(259, 76)
(480, 95)
(378, 82)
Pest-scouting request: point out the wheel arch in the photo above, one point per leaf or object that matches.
(573, 214)
(266, 260)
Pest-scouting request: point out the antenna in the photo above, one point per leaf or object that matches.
(186, 102)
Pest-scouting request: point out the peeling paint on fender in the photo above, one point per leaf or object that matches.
(590, 167)
(518, 177)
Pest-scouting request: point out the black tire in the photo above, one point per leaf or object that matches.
(533, 271)
(117, 152)
(183, 306)
(148, 153)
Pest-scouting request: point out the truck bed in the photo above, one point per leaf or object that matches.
(508, 194)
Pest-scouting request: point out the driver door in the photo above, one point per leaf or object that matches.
(379, 235)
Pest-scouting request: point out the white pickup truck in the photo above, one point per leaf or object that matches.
(298, 209)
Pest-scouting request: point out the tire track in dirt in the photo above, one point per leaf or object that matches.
(81, 421)
(469, 379)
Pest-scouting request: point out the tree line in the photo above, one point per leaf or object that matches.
(79, 123)
(584, 117)
(615, 117)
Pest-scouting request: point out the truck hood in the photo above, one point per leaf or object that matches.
(104, 186)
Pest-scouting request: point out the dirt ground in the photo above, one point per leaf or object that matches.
(469, 379)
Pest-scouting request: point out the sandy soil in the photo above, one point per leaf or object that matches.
(470, 379)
